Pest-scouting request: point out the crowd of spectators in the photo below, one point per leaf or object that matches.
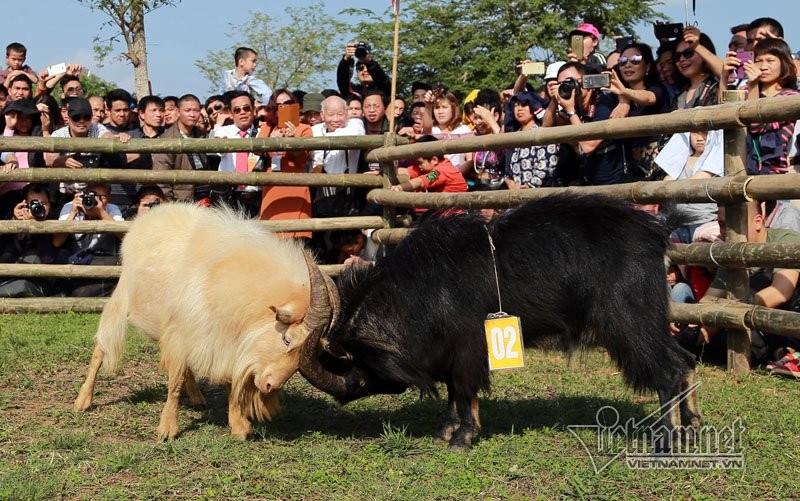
(684, 71)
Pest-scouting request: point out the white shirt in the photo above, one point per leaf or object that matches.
(227, 161)
(462, 130)
(339, 161)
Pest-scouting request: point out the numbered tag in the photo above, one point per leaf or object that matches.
(504, 343)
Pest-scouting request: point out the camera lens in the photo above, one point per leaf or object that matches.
(38, 210)
(89, 201)
(566, 87)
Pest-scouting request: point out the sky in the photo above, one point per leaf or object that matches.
(56, 31)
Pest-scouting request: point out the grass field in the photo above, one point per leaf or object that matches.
(378, 448)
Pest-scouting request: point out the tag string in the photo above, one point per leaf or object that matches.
(494, 265)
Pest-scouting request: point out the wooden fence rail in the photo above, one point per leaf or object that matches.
(730, 190)
(313, 224)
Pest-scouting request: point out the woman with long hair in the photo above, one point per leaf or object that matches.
(771, 73)
(636, 83)
(445, 111)
(285, 202)
(694, 79)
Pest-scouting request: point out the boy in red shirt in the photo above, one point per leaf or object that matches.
(435, 174)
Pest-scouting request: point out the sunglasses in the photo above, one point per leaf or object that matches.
(686, 54)
(239, 109)
(81, 118)
(361, 66)
(214, 108)
(634, 60)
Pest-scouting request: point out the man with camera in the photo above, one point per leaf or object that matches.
(27, 247)
(577, 97)
(369, 73)
(90, 248)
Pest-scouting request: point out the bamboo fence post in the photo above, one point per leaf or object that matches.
(736, 222)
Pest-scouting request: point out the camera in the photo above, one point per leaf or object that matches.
(87, 160)
(596, 81)
(152, 204)
(362, 49)
(439, 90)
(38, 210)
(623, 42)
(667, 31)
(89, 200)
(566, 87)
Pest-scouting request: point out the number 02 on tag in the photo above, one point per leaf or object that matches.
(504, 342)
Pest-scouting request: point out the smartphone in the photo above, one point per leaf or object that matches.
(533, 68)
(743, 56)
(667, 31)
(576, 43)
(288, 113)
(623, 42)
(57, 69)
(596, 81)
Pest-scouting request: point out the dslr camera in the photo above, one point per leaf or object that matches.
(38, 210)
(362, 49)
(566, 87)
(87, 160)
(89, 200)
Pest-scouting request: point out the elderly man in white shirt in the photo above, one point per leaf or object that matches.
(335, 123)
(242, 112)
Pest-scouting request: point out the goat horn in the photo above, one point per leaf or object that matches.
(323, 312)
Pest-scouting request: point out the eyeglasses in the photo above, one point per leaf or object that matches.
(634, 60)
(81, 118)
(373, 106)
(686, 54)
(214, 108)
(242, 109)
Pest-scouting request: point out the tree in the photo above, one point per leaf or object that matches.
(96, 86)
(127, 16)
(292, 56)
(468, 45)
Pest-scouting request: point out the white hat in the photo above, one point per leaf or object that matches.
(552, 70)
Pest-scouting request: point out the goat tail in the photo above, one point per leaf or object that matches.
(113, 327)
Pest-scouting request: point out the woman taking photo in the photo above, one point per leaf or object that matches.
(285, 202)
(771, 73)
(638, 85)
(694, 79)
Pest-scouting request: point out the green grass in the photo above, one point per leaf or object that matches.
(379, 447)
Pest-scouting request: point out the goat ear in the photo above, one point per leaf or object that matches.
(337, 351)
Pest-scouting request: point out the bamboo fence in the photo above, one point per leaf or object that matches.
(730, 190)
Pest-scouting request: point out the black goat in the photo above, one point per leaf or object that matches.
(578, 270)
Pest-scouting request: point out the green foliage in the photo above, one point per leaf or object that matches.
(468, 45)
(295, 53)
(96, 86)
(125, 17)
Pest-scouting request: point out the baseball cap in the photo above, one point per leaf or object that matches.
(22, 106)
(586, 29)
(552, 70)
(78, 106)
(313, 102)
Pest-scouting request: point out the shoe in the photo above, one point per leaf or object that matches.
(789, 369)
(789, 357)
